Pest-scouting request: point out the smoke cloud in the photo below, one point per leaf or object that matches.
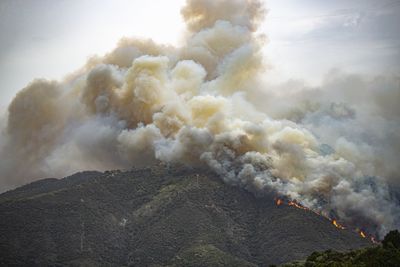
(333, 149)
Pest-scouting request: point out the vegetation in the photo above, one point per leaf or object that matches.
(385, 255)
(208, 255)
(158, 216)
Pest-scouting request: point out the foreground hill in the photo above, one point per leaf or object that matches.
(387, 255)
(157, 216)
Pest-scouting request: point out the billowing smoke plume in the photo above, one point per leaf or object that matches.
(203, 104)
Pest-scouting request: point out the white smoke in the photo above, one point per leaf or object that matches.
(332, 149)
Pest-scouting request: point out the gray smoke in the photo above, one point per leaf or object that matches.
(333, 149)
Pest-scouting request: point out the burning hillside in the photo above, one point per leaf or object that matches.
(163, 215)
(204, 104)
(295, 204)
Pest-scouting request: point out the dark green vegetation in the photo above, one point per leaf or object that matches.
(385, 255)
(156, 216)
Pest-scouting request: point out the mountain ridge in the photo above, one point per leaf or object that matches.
(157, 216)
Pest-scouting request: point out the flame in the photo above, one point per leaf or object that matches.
(362, 234)
(297, 205)
(337, 225)
(294, 203)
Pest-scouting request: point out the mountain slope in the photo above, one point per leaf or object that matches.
(157, 216)
(387, 254)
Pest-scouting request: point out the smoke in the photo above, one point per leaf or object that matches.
(333, 149)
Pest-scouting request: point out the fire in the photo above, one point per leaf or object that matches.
(297, 205)
(337, 225)
(294, 203)
(362, 234)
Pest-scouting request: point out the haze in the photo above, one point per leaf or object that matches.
(50, 39)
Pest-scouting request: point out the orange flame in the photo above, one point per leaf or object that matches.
(362, 234)
(297, 205)
(337, 225)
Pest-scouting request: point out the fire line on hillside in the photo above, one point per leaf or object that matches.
(295, 204)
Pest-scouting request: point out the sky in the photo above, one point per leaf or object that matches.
(307, 38)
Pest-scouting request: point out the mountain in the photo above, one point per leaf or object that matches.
(387, 254)
(158, 216)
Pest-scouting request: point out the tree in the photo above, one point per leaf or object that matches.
(392, 239)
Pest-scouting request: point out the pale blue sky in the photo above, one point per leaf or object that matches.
(51, 38)
(309, 37)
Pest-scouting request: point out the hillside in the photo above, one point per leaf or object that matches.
(387, 254)
(159, 216)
